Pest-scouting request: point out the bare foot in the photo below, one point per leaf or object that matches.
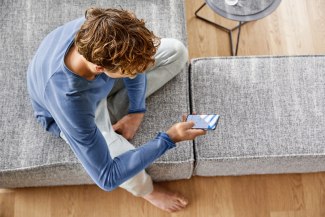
(166, 200)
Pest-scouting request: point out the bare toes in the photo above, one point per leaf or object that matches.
(171, 210)
(174, 209)
(183, 201)
(179, 207)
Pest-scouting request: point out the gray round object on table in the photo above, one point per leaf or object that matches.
(244, 10)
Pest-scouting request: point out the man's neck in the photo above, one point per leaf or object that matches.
(78, 64)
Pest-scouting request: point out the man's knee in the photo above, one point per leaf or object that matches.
(176, 52)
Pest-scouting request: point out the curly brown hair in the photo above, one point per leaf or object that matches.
(115, 39)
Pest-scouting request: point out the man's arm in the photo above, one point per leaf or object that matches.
(137, 93)
(75, 117)
(130, 123)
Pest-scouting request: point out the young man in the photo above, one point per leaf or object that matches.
(72, 74)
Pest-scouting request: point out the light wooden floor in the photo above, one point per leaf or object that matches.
(296, 27)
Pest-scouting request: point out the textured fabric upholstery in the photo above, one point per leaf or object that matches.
(29, 156)
(272, 114)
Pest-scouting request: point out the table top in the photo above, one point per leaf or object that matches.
(244, 10)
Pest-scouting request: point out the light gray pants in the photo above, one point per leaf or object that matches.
(171, 58)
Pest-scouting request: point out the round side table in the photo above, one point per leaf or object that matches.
(243, 11)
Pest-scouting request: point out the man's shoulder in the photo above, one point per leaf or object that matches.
(71, 26)
(47, 63)
(59, 38)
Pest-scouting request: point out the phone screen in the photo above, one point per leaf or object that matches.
(207, 122)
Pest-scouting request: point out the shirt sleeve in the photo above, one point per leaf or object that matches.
(45, 119)
(76, 121)
(137, 93)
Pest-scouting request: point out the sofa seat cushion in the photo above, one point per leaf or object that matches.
(29, 156)
(272, 114)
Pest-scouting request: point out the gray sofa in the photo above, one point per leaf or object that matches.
(272, 108)
(272, 114)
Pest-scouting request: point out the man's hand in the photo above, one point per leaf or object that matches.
(128, 125)
(183, 131)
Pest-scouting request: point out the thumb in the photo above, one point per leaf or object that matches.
(198, 132)
(184, 116)
(116, 126)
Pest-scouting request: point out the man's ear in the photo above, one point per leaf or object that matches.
(99, 68)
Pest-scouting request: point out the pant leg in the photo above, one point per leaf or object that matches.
(140, 184)
(170, 59)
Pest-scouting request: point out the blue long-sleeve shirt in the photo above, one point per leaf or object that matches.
(65, 102)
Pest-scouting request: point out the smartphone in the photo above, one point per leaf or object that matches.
(205, 122)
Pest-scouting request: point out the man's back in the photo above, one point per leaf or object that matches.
(49, 55)
(47, 67)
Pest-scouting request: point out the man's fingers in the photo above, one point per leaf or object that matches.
(188, 125)
(184, 117)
